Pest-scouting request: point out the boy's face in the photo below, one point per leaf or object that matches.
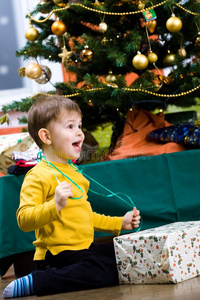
(66, 136)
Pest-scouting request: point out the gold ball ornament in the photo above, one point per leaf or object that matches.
(33, 71)
(46, 75)
(141, 5)
(182, 52)
(174, 24)
(60, 3)
(110, 77)
(169, 59)
(32, 34)
(103, 27)
(197, 41)
(86, 55)
(140, 61)
(58, 28)
(152, 57)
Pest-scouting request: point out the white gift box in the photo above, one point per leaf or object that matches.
(166, 254)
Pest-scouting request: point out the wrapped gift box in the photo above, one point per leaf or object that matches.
(166, 254)
(8, 144)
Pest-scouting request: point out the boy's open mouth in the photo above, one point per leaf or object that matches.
(77, 145)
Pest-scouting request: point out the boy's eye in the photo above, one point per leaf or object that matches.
(80, 126)
(70, 126)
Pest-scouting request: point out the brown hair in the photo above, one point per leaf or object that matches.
(44, 110)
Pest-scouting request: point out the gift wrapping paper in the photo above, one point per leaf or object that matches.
(165, 254)
(8, 144)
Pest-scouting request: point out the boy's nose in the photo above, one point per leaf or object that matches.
(79, 132)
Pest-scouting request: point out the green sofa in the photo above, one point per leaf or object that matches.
(165, 188)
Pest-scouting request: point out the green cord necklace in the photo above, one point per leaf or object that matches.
(111, 194)
(52, 166)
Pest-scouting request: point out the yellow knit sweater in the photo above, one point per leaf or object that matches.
(72, 228)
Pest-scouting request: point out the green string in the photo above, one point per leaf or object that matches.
(51, 166)
(112, 194)
(102, 186)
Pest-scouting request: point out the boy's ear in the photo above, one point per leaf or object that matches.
(44, 135)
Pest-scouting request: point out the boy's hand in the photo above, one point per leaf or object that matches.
(62, 192)
(131, 219)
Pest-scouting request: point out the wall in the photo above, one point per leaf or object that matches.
(13, 26)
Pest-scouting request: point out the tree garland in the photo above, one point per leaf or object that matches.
(109, 13)
(129, 90)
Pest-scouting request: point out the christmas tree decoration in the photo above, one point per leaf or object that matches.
(65, 55)
(149, 15)
(152, 57)
(74, 1)
(33, 70)
(182, 52)
(60, 3)
(104, 41)
(141, 5)
(140, 61)
(157, 87)
(58, 28)
(174, 24)
(110, 77)
(197, 41)
(87, 87)
(97, 3)
(46, 75)
(43, 8)
(66, 36)
(169, 59)
(86, 55)
(103, 27)
(90, 103)
(21, 72)
(5, 119)
(32, 34)
(151, 25)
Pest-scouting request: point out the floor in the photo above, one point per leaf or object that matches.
(187, 290)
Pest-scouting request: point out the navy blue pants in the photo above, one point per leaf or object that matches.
(76, 270)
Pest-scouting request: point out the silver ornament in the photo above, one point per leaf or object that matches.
(45, 77)
(103, 27)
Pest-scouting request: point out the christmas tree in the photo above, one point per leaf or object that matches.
(115, 54)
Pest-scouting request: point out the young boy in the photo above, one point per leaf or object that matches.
(53, 203)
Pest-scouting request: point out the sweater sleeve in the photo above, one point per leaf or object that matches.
(33, 211)
(107, 223)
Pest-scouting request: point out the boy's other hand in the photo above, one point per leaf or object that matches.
(131, 219)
